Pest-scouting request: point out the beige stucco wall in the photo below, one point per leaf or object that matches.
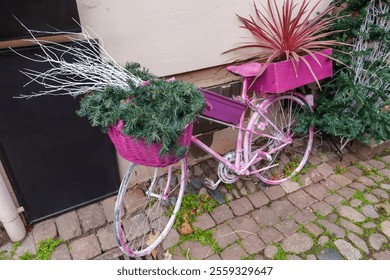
(170, 36)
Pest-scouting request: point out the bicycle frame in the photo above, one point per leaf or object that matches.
(239, 167)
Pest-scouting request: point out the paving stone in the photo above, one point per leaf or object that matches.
(239, 184)
(258, 199)
(196, 251)
(369, 211)
(340, 179)
(91, 217)
(293, 258)
(61, 253)
(301, 199)
(350, 175)
(234, 252)
(350, 213)
(376, 178)
(251, 187)
(305, 180)
(318, 191)
(283, 208)
(380, 193)
(332, 217)
(274, 192)
(371, 198)
(198, 171)
(329, 254)
(229, 197)
(172, 239)
(386, 158)
(325, 169)
(330, 184)
(384, 255)
(140, 220)
(270, 251)
(334, 200)
(311, 257)
(323, 240)
(244, 226)
(369, 225)
(241, 206)
(106, 237)
(134, 200)
(366, 181)
(355, 202)
(346, 192)
(224, 235)
(377, 164)
(270, 235)
(290, 186)
(358, 242)
(350, 226)
(243, 192)
(304, 217)
(159, 224)
(347, 250)
(377, 240)
(85, 248)
(235, 194)
(27, 245)
(314, 175)
(222, 214)
(322, 208)
(109, 207)
(385, 186)
(357, 186)
(314, 229)
(253, 244)
(44, 230)
(265, 216)
(287, 227)
(204, 222)
(335, 230)
(214, 257)
(314, 159)
(385, 172)
(297, 243)
(385, 227)
(178, 255)
(358, 172)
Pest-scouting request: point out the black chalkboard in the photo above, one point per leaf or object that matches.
(55, 160)
(42, 15)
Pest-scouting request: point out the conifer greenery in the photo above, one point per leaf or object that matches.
(353, 103)
(156, 112)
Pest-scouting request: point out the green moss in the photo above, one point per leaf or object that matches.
(280, 254)
(340, 170)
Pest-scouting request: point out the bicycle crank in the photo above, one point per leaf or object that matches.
(227, 175)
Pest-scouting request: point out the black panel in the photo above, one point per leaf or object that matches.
(41, 15)
(54, 159)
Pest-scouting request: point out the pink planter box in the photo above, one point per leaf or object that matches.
(222, 108)
(281, 76)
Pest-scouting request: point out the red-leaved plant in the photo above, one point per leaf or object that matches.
(288, 33)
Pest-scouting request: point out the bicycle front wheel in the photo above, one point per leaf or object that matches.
(271, 136)
(150, 207)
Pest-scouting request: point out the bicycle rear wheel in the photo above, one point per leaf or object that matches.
(271, 134)
(151, 207)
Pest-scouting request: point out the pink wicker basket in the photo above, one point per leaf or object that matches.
(136, 151)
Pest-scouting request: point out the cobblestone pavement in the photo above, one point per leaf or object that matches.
(336, 210)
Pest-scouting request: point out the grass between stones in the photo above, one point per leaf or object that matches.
(340, 170)
(45, 249)
(194, 205)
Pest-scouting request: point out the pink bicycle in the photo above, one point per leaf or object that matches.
(267, 147)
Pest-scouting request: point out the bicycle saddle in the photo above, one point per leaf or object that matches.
(246, 70)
